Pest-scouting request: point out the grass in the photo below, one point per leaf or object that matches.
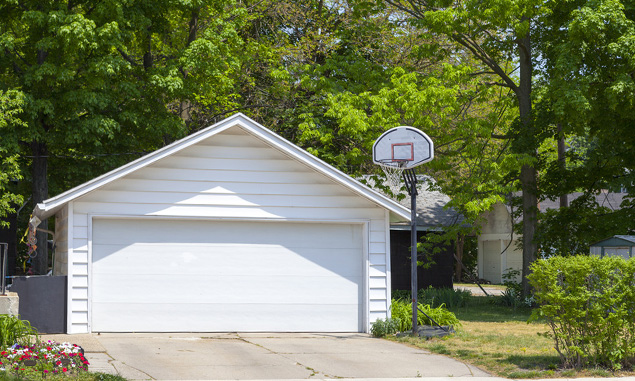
(499, 340)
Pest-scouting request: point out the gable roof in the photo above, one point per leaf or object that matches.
(49, 207)
(616, 240)
(432, 212)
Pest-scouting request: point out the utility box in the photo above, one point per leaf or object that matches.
(42, 301)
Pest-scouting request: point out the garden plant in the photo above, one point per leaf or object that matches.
(24, 356)
(588, 304)
(401, 317)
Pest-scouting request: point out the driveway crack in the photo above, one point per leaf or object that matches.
(314, 373)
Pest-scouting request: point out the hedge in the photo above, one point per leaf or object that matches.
(589, 304)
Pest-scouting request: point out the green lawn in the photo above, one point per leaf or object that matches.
(499, 340)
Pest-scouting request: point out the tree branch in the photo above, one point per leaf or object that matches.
(127, 57)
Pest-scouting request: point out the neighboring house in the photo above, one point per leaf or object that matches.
(498, 247)
(618, 245)
(232, 228)
(432, 216)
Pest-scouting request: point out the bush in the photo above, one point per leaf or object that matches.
(16, 331)
(589, 303)
(402, 311)
(381, 328)
(513, 294)
(401, 294)
(449, 297)
(435, 297)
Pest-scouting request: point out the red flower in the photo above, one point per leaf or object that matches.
(64, 370)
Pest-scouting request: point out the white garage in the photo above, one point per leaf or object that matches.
(230, 229)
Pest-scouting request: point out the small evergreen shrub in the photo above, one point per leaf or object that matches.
(381, 327)
(589, 304)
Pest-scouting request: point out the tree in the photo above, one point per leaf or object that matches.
(495, 33)
(349, 73)
(109, 78)
(10, 107)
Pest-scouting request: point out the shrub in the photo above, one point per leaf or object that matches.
(435, 297)
(402, 311)
(513, 294)
(15, 331)
(449, 297)
(401, 294)
(589, 303)
(381, 328)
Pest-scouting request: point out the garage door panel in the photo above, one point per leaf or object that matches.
(259, 318)
(199, 289)
(159, 232)
(226, 259)
(225, 276)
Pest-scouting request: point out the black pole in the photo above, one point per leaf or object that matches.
(413, 260)
(410, 179)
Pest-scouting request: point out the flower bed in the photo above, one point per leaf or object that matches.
(45, 358)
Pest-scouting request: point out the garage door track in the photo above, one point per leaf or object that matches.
(251, 356)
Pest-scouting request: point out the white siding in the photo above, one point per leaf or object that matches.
(231, 175)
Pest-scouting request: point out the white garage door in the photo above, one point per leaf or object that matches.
(171, 276)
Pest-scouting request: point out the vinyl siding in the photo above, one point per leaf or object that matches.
(231, 175)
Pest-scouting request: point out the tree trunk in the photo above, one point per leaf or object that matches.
(562, 162)
(40, 193)
(458, 269)
(528, 173)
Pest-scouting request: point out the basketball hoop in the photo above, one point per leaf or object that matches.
(394, 174)
(395, 151)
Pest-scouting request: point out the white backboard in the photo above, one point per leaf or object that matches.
(404, 147)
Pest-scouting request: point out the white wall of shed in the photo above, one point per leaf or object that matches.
(231, 175)
(496, 254)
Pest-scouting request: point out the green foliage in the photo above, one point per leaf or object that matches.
(13, 330)
(106, 377)
(381, 327)
(401, 294)
(513, 294)
(401, 310)
(11, 103)
(448, 297)
(588, 303)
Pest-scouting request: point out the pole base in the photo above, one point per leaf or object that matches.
(428, 331)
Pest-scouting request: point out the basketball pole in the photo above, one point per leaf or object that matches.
(410, 179)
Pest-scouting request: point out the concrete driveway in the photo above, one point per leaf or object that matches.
(251, 356)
